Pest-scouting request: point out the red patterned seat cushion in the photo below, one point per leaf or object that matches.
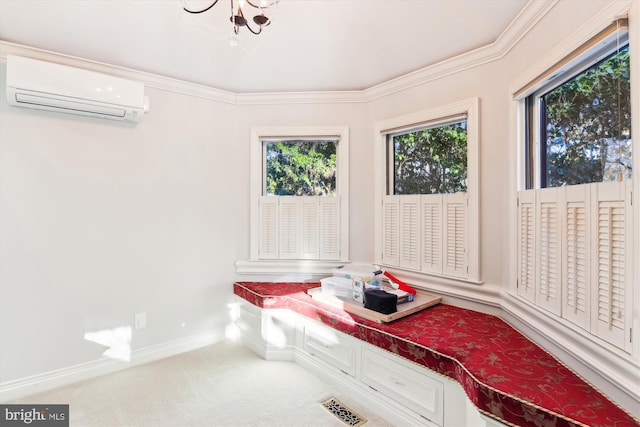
(503, 373)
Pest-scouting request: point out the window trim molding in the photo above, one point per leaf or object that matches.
(563, 49)
(256, 186)
(534, 106)
(568, 45)
(470, 107)
(568, 341)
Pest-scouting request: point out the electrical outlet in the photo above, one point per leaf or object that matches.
(141, 320)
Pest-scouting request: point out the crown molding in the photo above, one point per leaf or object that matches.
(151, 80)
(320, 97)
(530, 15)
(528, 18)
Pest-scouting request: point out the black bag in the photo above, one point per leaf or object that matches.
(380, 301)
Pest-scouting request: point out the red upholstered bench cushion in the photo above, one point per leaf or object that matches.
(503, 373)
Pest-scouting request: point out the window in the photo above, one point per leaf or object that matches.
(428, 187)
(429, 160)
(586, 125)
(580, 117)
(299, 200)
(300, 167)
(575, 219)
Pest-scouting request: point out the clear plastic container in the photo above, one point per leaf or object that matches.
(337, 287)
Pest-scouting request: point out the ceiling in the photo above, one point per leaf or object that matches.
(311, 45)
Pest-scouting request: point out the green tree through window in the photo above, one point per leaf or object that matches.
(431, 161)
(588, 125)
(301, 167)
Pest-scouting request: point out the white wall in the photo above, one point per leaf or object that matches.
(101, 220)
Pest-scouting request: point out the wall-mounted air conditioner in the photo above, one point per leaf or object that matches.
(54, 87)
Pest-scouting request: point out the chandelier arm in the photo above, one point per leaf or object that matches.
(200, 11)
(263, 7)
(238, 20)
(252, 30)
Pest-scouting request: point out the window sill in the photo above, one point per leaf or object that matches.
(294, 268)
(462, 289)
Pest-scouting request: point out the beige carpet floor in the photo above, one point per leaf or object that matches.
(221, 385)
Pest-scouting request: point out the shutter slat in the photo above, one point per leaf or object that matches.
(268, 248)
(390, 224)
(455, 262)
(330, 228)
(549, 251)
(310, 228)
(409, 256)
(288, 216)
(576, 257)
(610, 256)
(526, 244)
(431, 207)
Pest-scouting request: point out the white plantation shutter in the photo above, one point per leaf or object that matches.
(431, 205)
(409, 232)
(527, 244)
(548, 282)
(329, 228)
(309, 243)
(305, 227)
(455, 234)
(611, 309)
(268, 248)
(576, 292)
(426, 232)
(595, 256)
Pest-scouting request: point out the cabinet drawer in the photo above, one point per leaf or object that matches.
(405, 384)
(331, 347)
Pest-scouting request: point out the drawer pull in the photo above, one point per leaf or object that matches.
(320, 342)
(397, 382)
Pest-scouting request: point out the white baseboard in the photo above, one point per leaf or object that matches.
(19, 388)
(266, 351)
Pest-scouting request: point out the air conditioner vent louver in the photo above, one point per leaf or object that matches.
(53, 87)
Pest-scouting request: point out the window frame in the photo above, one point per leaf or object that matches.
(391, 172)
(294, 139)
(530, 97)
(311, 266)
(595, 199)
(468, 107)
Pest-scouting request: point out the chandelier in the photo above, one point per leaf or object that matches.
(238, 14)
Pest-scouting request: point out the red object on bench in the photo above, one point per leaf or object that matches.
(403, 286)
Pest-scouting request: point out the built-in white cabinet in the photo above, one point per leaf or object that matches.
(410, 386)
(401, 391)
(331, 347)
